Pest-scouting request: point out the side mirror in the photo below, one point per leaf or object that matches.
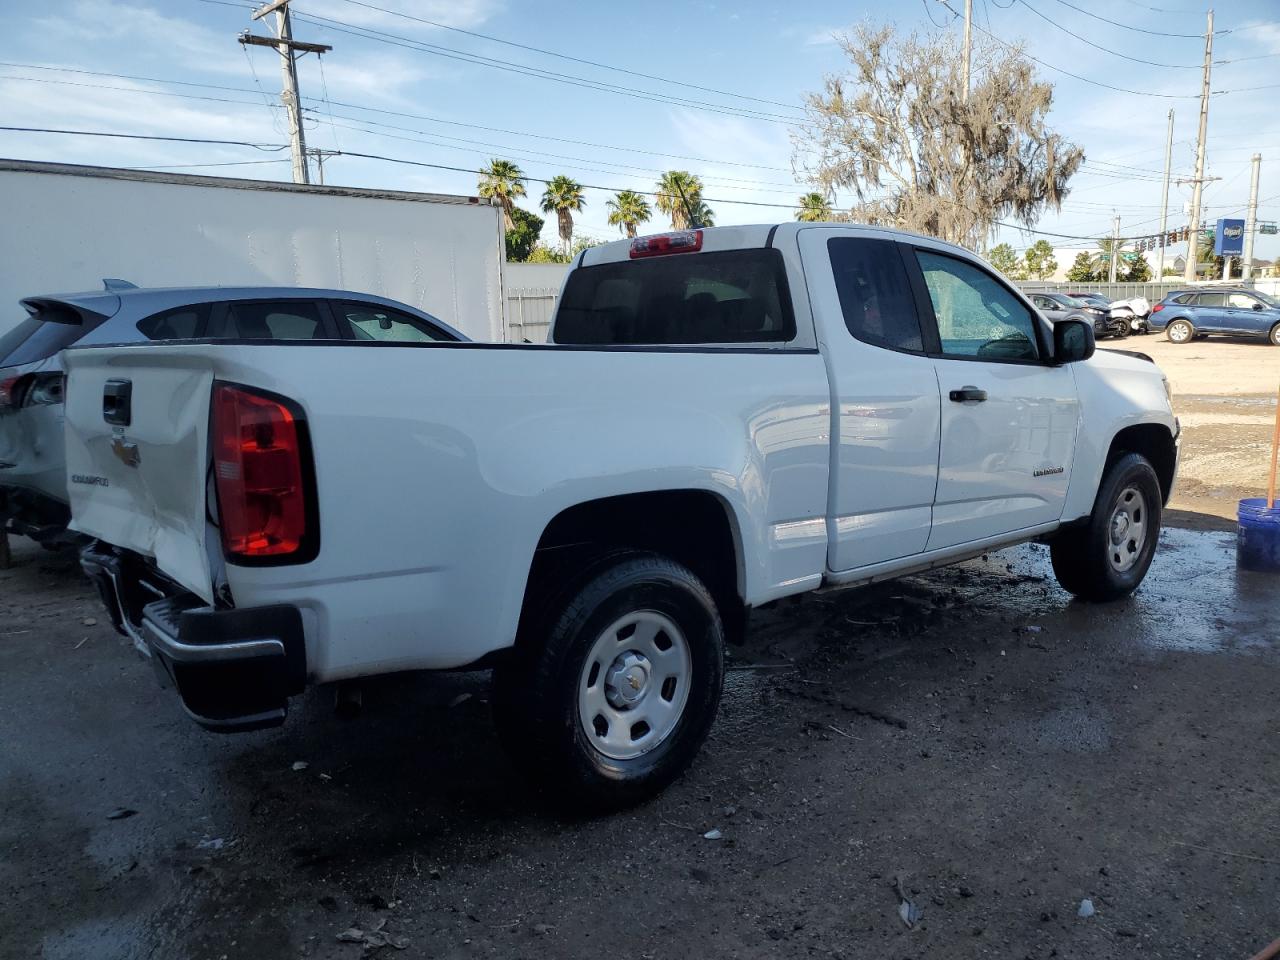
(1072, 341)
(384, 322)
(1257, 305)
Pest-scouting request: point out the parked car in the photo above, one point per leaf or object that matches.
(1188, 315)
(1059, 306)
(723, 417)
(33, 482)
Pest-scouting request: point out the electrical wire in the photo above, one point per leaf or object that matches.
(1107, 50)
(1075, 76)
(378, 110)
(266, 147)
(1125, 26)
(564, 56)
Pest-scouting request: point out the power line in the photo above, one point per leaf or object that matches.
(147, 136)
(1075, 76)
(368, 109)
(1125, 26)
(1096, 46)
(565, 56)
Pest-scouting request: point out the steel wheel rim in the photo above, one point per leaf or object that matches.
(1127, 530)
(634, 685)
(1178, 332)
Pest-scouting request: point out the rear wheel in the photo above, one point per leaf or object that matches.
(1109, 555)
(613, 688)
(1180, 331)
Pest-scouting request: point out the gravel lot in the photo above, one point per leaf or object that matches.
(1224, 392)
(972, 736)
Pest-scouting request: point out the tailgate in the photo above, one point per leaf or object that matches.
(136, 434)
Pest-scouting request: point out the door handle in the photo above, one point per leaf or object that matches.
(968, 395)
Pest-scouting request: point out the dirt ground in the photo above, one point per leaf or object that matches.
(972, 736)
(1224, 393)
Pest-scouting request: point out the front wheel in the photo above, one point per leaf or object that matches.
(1180, 331)
(1108, 556)
(1275, 335)
(610, 696)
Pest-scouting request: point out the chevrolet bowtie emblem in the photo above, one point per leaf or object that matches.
(126, 451)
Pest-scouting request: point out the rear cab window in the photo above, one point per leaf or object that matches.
(724, 297)
(875, 293)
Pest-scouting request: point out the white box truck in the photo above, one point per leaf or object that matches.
(66, 227)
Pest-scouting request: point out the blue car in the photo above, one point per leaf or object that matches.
(1190, 314)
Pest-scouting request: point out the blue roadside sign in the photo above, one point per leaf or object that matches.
(1228, 238)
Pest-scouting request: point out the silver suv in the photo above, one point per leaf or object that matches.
(33, 485)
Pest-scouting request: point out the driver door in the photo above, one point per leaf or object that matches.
(1008, 416)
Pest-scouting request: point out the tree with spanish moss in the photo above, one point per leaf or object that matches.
(896, 130)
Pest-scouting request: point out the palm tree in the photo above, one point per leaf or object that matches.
(504, 180)
(678, 191)
(814, 208)
(564, 196)
(703, 215)
(627, 211)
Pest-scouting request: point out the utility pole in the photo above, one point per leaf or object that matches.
(1115, 246)
(1251, 218)
(968, 44)
(321, 156)
(1193, 243)
(285, 44)
(1164, 199)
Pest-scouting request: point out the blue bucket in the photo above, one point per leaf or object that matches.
(1258, 536)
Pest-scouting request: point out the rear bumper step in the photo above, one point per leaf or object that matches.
(234, 670)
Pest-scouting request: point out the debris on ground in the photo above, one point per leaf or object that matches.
(300, 765)
(374, 939)
(1086, 908)
(90, 621)
(459, 699)
(908, 912)
(541, 929)
(713, 834)
(214, 843)
(121, 813)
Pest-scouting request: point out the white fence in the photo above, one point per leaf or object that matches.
(529, 312)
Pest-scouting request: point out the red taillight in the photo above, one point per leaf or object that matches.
(1157, 308)
(258, 470)
(683, 241)
(8, 391)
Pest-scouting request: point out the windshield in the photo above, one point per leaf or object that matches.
(1270, 301)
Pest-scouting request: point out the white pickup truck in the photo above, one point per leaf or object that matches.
(723, 417)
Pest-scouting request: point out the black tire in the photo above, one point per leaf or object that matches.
(1120, 329)
(1082, 555)
(1186, 333)
(536, 692)
(1275, 335)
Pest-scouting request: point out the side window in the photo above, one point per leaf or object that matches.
(1241, 300)
(1212, 300)
(1185, 299)
(184, 323)
(875, 293)
(277, 320)
(977, 316)
(372, 321)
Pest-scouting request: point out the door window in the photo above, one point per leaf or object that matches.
(372, 321)
(1241, 301)
(875, 293)
(1212, 300)
(274, 320)
(977, 316)
(183, 323)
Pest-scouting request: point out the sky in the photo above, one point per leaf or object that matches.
(426, 88)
